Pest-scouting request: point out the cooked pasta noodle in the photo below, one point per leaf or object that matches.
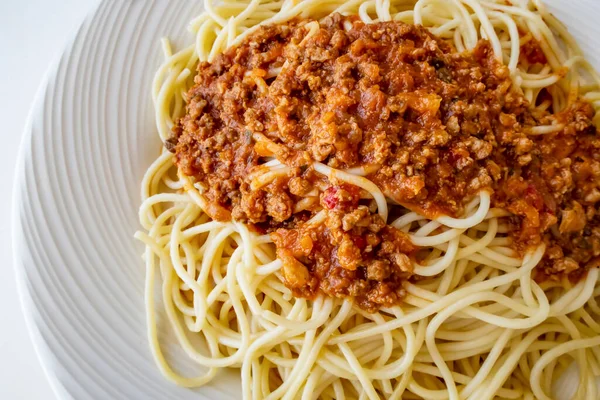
(475, 325)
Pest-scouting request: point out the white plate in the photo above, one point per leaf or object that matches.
(89, 139)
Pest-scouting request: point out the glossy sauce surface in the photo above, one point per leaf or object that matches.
(431, 126)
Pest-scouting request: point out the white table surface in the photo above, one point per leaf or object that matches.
(32, 34)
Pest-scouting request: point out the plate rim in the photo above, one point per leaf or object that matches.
(45, 357)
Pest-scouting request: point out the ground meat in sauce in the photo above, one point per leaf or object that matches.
(439, 126)
(352, 254)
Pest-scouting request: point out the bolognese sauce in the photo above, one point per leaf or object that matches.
(432, 127)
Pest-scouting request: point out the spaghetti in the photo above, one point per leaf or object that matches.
(469, 320)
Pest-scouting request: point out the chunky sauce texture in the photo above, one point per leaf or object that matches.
(433, 127)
